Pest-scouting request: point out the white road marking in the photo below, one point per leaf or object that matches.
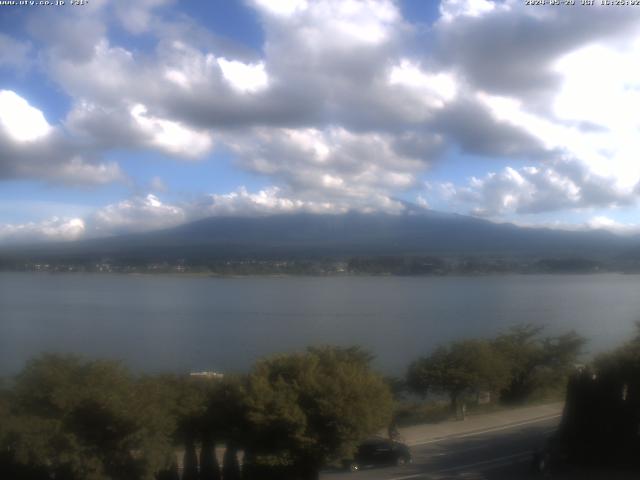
(488, 430)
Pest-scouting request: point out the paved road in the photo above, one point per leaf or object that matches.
(492, 454)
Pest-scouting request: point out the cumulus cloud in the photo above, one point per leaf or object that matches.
(451, 10)
(355, 90)
(503, 48)
(32, 148)
(169, 135)
(269, 201)
(332, 163)
(602, 222)
(54, 229)
(531, 72)
(244, 77)
(77, 171)
(332, 68)
(597, 222)
(150, 212)
(135, 215)
(142, 213)
(345, 105)
(273, 200)
(434, 89)
(21, 121)
(70, 33)
(565, 185)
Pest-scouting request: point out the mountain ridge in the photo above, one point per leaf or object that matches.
(351, 234)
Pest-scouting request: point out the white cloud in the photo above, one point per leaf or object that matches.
(421, 201)
(67, 34)
(346, 104)
(244, 77)
(284, 8)
(538, 189)
(582, 117)
(170, 136)
(597, 222)
(332, 163)
(135, 215)
(77, 171)
(177, 95)
(450, 10)
(269, 201)
(150, 212)
(331, 22)
(31, 148)
(107, 75)
(20, 120)
(435, 90)
(54, 229)
(602, 222)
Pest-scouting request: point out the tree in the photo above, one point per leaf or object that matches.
(225, 413)
(306, 409)
(183, 402)
(461, 368)
(169, 473)
(536, 363)
(209, 468)
(82, 420)
(623, 364)
(190, 461)
(230, 465)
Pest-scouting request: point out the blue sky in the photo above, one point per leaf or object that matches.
(121, 116)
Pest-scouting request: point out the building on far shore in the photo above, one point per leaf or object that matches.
(210, 375)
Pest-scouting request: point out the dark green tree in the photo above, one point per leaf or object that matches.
(462, 368)
(623, 364)
(304, 410)
(82, 420)
(190, 461)
(225, 414)
(169, 473)
(183, 402)
(537, 364)
(230, 464)
(209, 468)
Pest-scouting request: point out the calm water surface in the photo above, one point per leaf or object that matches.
(172, 323)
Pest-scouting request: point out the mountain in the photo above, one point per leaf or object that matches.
(426, 233)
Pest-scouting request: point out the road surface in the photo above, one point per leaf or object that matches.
(496, 453)
(495, 446)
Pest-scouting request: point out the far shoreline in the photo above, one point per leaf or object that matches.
(323, 275)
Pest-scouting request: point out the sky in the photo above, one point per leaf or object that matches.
(120, 116)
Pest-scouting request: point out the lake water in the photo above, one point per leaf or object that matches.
(172, 323)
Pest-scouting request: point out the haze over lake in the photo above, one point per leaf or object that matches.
(173, 323)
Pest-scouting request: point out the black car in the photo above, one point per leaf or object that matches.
(377, 452)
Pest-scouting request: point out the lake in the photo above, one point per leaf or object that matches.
(181, 324)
